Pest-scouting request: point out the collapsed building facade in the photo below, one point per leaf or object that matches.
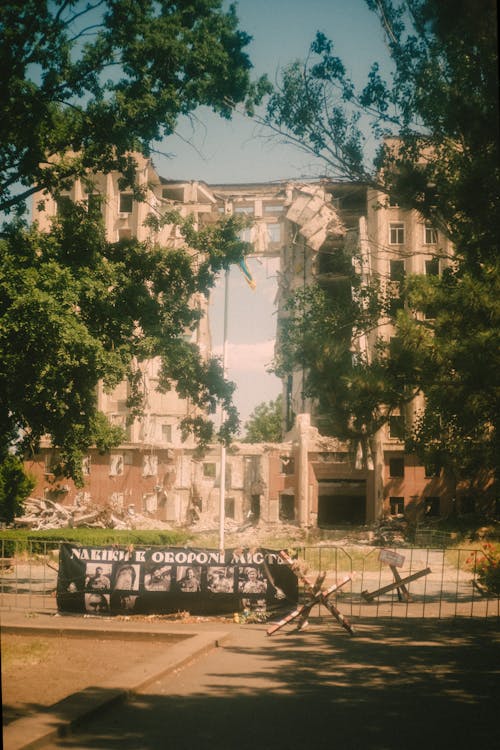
(309, 478)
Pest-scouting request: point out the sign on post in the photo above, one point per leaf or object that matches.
(394, 560)
(391, 558)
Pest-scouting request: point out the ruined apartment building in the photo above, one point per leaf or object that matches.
(309, 478)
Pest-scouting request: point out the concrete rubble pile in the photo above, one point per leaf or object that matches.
(42, 513)
(248, 534)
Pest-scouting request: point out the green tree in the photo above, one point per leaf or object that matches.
(85, 84)
(446, 142)
(76, 309)
(354, 397)
(15, 487)
(264, 423)
(436, 122)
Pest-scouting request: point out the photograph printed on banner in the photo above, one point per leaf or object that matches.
(96, 603)
(159, 578)
(251, 581)
(97, 576)
(124, 603)
(188, 578)
(220, 580)
(127, 577)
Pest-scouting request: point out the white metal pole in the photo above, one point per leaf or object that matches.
(222, 496)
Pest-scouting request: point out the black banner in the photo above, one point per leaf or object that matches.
(107, 580)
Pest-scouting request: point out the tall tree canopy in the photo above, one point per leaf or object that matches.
(84, 85)
(76, 309)
(436, 122)
(96, 79)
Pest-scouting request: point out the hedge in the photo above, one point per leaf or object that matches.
(22, 541)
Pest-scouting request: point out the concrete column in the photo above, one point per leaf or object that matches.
(270, 507)
(303, 423)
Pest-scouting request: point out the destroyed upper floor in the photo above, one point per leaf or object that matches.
(318, 211)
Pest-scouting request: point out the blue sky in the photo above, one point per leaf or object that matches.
(217, 151)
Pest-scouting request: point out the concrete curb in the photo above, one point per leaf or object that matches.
(58, 720)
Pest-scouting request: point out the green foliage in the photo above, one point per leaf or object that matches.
(84, 86)
(439, 49)
(105, 435)
(15, 486)
(17, 542)
(459, 428)
(354, 397)
(97, 81)
(76, 309)
(436, 124)
(486, 567)
(264, 424)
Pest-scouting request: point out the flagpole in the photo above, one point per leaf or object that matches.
(222, 496)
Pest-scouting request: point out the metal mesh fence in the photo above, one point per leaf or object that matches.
(28, 574)
(434, 582)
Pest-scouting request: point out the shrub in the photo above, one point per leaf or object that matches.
(15, 486)
(486, 567)
(24, 541)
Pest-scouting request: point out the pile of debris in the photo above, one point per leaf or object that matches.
(391, 532)
(42, 513)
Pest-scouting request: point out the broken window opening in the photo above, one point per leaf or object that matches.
(396, 467)
(286, 507)
(115, 465)
(149, 466)
(432, 267)
(254, 508)
(209, 470)
(396, 506)
(397, 270)
(432, 506)
(229, 507)
(287, 465)
(396, 427)
(166, 433)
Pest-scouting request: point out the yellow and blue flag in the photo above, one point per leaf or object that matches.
(246, 273)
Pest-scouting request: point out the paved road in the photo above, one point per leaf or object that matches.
(396, 685)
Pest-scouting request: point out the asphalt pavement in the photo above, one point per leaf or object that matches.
(395, 685)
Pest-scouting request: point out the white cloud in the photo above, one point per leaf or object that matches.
(255, 357)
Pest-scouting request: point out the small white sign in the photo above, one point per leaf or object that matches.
(391, 558)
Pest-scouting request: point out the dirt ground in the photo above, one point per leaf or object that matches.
(40, 670)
